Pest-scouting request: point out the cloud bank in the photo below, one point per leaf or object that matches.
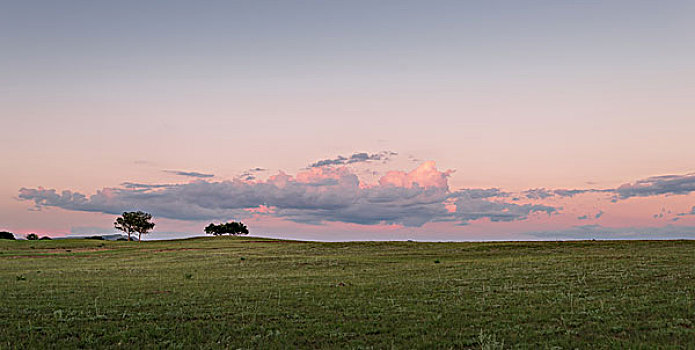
(651, 186)
(658, 185)
(315, 196)
(330, 191)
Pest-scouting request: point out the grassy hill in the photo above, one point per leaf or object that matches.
(257, 293)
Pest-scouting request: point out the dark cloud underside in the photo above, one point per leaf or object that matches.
(189, 174)
(361, 157)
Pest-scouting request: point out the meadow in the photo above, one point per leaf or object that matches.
(244, 293)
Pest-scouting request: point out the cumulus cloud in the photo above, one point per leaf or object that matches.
(471, 208)
(361, 157)
(315, 196)
(657, 185)
(189, 173)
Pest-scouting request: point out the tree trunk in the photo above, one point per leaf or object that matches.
(139, 234)
(128, 233)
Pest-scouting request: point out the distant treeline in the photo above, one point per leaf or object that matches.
(31, 236)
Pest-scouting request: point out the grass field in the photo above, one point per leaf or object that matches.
(255, 293)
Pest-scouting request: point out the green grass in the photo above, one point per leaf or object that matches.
(254, 293)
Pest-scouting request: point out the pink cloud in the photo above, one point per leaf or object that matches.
(426, 175)
(261, 209)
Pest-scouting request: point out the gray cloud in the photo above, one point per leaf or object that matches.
(657, 185)
(480, 193)
(317, 196)
(572, 193)
(587, 216)
(538, 193)
(361, 157)
(334, 194)
(141, 186)
(691, 212)
(542, 193)
(250, 174)
(472, 209)
(474, 204)
(189, 173)
(652, 186)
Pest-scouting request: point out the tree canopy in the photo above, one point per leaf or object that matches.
(232, 228)
(6, 235)
(134, 221)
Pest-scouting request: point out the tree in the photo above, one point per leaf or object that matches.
(212, 229)
(32, 237)
(232, 228)
(134, 221)
(6, 235)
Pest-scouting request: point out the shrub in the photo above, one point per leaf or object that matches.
(32, 237)
(6, 235)
(45, 238)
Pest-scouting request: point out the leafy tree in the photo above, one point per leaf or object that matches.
(212, 229)
(32, 237)
(134, 221)
(6, 235)
(232, 228)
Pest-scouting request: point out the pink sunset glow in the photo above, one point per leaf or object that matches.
(560, 122)
(332, 202)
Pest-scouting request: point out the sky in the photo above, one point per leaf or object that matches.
(350, 120)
